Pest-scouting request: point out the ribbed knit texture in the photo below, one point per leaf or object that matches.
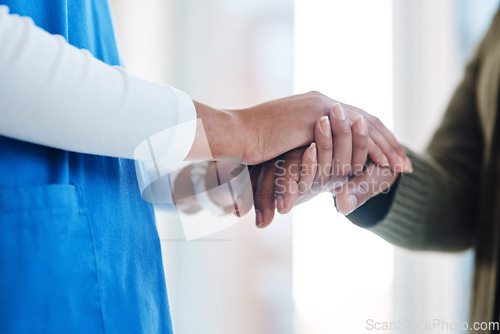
(404, 224)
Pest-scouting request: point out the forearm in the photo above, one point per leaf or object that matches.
(56, 95)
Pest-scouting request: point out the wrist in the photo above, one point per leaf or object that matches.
(218, 133)
(247, 126)
(227, 136)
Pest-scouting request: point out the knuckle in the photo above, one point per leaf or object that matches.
(314, 93)
(326, 147)
(341, 128)
(391, 152)
(401, 150)
(345, 132)
(378, 151)
(361, 145)
(263, 195)
(377, 122)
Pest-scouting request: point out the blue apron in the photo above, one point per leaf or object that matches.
(79, 249)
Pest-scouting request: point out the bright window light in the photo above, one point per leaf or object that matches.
(342, 274)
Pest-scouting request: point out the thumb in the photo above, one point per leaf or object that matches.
(359, 189)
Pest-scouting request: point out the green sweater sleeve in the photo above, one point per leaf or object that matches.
(434, 208)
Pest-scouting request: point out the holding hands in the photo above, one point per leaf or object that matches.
(339, 162)
(300, 146)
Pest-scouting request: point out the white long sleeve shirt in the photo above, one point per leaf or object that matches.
(56, 95)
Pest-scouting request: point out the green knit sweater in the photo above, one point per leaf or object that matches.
(451, 201)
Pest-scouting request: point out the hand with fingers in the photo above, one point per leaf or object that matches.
(336, 160)
(373, 181)
(276, 136)
(266, 131)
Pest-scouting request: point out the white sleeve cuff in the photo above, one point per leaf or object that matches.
(169, 147)
(183, 141)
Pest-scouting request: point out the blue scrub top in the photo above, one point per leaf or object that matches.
(79, 249)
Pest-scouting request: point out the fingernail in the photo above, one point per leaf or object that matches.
(258, 218)
(353, 202)
(280, 203)
(409, 164)
(339, 112)
(384, 162)
(325, 126)
(313, 154)
(401, 165)
(361, 125)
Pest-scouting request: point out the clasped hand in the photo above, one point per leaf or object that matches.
(340, 153)
(300, 146)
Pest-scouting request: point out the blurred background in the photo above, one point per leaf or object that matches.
(311, 271)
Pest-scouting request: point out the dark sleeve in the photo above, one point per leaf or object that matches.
(375, 209)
